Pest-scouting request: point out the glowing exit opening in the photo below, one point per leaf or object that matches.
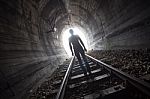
(66, 36)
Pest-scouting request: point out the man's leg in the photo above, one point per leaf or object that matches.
(80, 62)
(86, 62)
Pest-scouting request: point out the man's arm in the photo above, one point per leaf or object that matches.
(82, 43)
(70, 47)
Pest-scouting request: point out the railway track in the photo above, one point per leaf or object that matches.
(105, 82)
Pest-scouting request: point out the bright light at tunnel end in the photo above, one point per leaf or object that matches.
(66, 35)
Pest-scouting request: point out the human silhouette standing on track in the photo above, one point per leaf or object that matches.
(77, 47)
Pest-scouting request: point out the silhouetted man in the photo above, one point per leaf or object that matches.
(76, 43)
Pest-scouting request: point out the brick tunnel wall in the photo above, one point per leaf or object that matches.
(27, 55)
(124, 24)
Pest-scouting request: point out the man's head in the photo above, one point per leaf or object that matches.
(71, 31)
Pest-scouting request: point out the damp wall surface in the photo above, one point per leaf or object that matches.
(125, 24)
(27, 55)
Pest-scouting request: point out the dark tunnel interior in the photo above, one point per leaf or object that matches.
(31, 32)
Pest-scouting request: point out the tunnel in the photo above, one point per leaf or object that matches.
(31, 35)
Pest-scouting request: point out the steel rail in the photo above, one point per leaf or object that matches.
(60, 94)
(136, 82)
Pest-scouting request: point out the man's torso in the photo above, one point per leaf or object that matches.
(74, 39)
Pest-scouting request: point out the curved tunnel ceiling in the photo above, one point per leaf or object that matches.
(75, 14)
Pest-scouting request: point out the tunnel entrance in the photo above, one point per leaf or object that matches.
(66, 35)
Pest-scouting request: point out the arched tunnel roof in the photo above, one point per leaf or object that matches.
(73, 13)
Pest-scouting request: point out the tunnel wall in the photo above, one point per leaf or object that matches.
(27, 55)
(123, 24)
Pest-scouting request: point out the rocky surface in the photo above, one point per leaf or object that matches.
(133, 62)
(50, 88)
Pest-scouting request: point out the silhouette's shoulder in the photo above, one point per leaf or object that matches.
(70, 38)
(73, 36)
(76, 35)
